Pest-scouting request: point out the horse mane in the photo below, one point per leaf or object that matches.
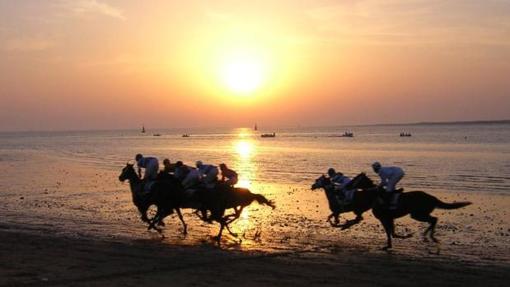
(356, 179)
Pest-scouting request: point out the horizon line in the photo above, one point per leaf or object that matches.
(460, 122)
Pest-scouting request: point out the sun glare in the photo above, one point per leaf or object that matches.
(243, 75)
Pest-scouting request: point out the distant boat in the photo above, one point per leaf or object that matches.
(255, 128)
(268, 135)
(157, 135)
(185, 136)
(405, 134)
(143, 129)
(347, 135)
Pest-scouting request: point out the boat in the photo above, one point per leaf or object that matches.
(405, 134)
(185, 136)
(143, 129)
(157, 135)
(347, 135)
(268, 135)
(255, 128)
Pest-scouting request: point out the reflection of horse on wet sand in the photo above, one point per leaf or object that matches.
(418, 204)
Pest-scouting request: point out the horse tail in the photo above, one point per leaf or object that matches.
(263, 200)
(454, 205)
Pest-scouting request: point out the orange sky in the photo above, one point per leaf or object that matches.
(97, 64)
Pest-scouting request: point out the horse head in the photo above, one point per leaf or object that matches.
(361, 181)
(128, 173)
(321, 181)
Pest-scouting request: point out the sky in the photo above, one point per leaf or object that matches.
(98, 64)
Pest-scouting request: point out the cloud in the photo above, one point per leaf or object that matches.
(83, 7)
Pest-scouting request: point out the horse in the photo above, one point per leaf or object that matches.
(362, 199)
(224, 197)
(216, 200)
(418, 204)
(163, 193)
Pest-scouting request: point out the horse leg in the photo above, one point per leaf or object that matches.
(230, 231)
(388, 228)
(395, 235)
(352, 222)
(218, 237)
(336, 216)
(431, 220)
(185, 231)
(234, 216)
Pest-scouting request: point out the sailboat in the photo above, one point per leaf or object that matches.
(255, 128)
(143, 129)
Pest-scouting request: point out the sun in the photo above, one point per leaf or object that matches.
(243, 75)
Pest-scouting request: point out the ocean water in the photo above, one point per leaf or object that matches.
(450, 157)
(67, 183)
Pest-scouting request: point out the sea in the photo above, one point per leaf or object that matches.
(472, 157)
(67, 182)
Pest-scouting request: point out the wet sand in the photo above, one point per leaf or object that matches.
(71, 224)
(43, 260)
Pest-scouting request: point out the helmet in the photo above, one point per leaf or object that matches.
(376, 166)
(331, 171)
(199, 163)
(138, 157)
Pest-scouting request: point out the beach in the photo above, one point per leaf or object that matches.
(68, 220)
(43, 260)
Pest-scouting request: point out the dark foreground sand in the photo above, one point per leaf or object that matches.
(28, 259)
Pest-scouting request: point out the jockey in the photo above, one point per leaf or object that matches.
(390, 176)
(150, 164)
(208, 173)
(228, 174)
(187, 175)
(168, 167)
(339, 182)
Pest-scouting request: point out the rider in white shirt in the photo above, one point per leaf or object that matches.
(390, 176)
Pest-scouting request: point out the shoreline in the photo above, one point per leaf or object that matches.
(51, 260)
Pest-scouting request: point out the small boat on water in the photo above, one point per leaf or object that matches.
(143, 129)
(255, 128)
(347, 135)
(268, 135)
(185, 135)
(157, 135)
(405, 134)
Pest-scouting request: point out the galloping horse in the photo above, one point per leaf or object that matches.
(362, 199)
(163, 194)
(224, 198)
(416, 203)
(216, 200)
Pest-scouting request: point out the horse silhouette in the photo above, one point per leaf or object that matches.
(164, 194)
(214, 200)
(418, 204)
(225, 197)
(362, 199)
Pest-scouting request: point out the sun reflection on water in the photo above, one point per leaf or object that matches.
(244, 148)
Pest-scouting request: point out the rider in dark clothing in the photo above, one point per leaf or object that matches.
(227, 175)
